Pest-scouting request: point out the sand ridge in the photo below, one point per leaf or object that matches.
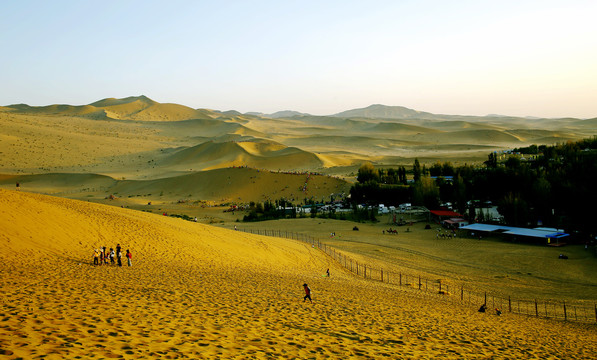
(195, 291)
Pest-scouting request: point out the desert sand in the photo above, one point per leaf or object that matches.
(196, 291)
(199, 291)
(138, 138)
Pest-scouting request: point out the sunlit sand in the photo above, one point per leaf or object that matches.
(196, 291)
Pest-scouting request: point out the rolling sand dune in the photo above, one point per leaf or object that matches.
(56, 183)
(211, 155)
(475, 137)
(401, 129)
(195, 291)
(136, 138)
(219, 185)
(139, 108)
(188, 132)
(459, 125)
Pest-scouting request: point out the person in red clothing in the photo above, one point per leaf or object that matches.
(129, 257)
(307, 293)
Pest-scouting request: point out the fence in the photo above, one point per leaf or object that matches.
(553, 309)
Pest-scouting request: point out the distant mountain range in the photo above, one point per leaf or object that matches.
(379, 111)
(376, 111)
(144, 108)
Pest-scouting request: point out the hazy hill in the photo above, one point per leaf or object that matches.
(378, 111)
(279, 114)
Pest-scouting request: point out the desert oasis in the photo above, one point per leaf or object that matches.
(132, 229)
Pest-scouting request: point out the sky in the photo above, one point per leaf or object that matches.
(517, 58)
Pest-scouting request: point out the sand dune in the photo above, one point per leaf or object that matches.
(144, 109)
(239, 185)
(196, 291)
(65, 110)
(476, 137)
(260, 147)
(139, 108)
(211, 155)
(459, 125)
(401, 129)
(137, 138)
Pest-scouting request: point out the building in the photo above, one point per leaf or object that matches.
(549, 236)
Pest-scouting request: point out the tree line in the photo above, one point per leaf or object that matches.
(554, 188)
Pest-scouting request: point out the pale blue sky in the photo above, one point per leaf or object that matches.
(518, 58)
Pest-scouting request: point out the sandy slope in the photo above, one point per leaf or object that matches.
(239, 185)
(196, 291)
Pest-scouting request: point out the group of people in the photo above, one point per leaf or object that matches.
(483, 309)
(102, 255)
(445, 234)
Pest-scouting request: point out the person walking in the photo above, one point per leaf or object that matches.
(129, 257)
(307, 293)
(112, 256)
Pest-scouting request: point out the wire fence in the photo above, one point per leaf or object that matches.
(552, 309)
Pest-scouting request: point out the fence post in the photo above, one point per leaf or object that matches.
(595, 312)
(357, 267)
(365, 271)
(485, 299)
(419, 282)
(595, 304)
(565, 315)
(381, 275)
(509, 304)
(537, 311)
(461, 293)
(440, 286)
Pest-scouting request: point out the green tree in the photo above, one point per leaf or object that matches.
(402, 175)
(513, 162)
(426, 192)
(459, 193)
(367, 173)
(416, 170)
(491, 161)
(514, 209)
(541, 197)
